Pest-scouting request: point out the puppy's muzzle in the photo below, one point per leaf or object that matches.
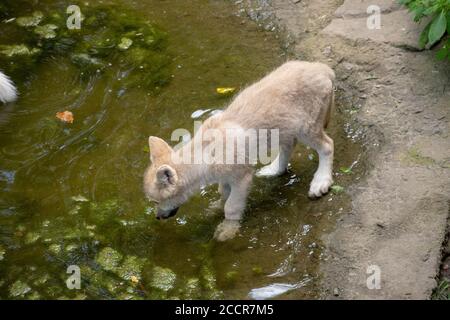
(166, 214)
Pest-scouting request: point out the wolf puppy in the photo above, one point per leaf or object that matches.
(296, 99)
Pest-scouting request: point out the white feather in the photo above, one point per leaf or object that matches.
(8, 91)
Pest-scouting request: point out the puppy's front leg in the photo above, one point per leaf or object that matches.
(234, 208)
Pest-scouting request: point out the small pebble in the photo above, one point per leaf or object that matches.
(336, 292)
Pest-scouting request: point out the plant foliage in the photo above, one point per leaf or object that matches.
(438, 11)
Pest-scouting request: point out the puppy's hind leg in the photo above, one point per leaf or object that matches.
(323, 177)
(279, 165)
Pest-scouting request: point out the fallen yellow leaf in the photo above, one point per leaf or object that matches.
(65, 116)
(225, 90)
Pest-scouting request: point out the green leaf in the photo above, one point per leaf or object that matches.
(337, 188)
(424, 36)
(448, 22)
(418, 13)
(346, 170)
(429, 11)
(442, 53)
(437, 28)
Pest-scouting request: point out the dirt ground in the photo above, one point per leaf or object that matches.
(402, 100)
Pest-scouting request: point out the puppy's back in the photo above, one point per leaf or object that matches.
(294, 91)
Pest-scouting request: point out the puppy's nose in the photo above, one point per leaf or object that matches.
(163, 214)
(172, 213)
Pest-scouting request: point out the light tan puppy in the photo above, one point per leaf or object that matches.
(296, 99)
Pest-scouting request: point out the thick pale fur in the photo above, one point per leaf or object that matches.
(8, 92)
(296, 98)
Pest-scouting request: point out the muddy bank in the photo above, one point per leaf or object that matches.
(400, 95)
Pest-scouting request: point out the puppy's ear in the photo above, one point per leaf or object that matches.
(166, 175)
(158, 148)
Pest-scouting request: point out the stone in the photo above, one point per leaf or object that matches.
(336, 292)
(358, 8)
(397, 28)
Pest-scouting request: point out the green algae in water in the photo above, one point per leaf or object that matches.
(32, 237)
(19, 50)
(55, 249)
(71, 247)
(232, 276)
(19, 289)
(209, 282)
(42, 280)
(131, 268)
(257, 270)
(125, 43)
(47, 31)
(109, 259)
(105, 211)
(192, 289)
(106, 34)
(87, 62)
(163, 279)
(30, 21)
(80, 198)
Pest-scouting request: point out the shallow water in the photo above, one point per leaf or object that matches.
(71, 190)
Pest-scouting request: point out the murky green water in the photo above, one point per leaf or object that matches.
(71, 194)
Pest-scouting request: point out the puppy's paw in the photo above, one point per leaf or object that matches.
(320, 186)
(269, 171)
(227, 230)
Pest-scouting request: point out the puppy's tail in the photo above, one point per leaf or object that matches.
(329, 110)
(331, 75)
(8, 92)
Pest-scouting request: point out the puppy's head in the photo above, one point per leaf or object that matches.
(161, 183)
